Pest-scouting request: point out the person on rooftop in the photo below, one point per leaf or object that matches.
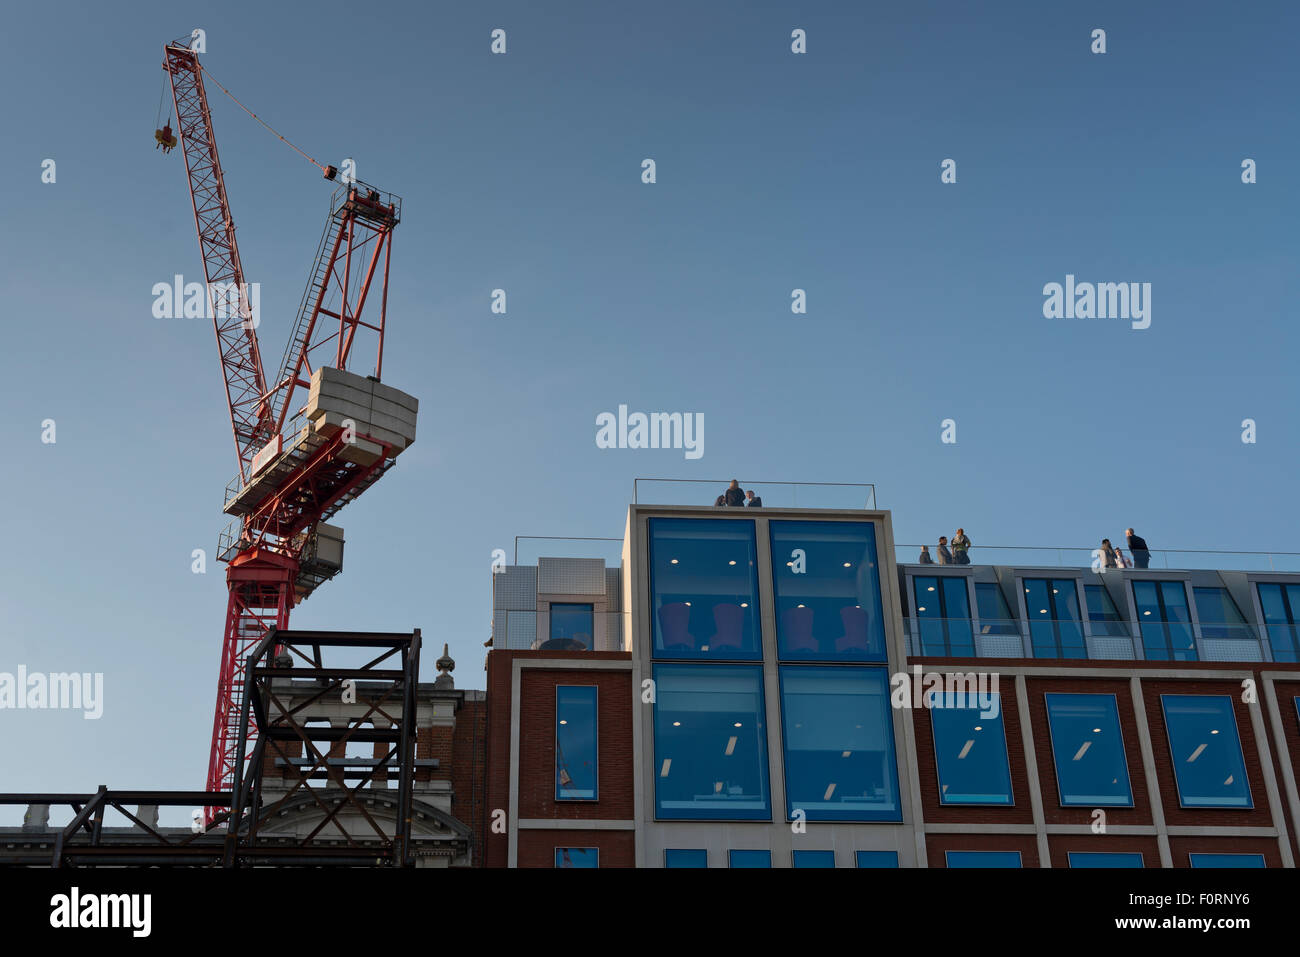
(1108, 554)
(960, 546)
(1137, 548)
(753, 500)
(945, 556)
(734, 495)
(925, 558)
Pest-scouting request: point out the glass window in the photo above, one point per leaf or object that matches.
(686, 857)
(827, 584)
(1207, 756)
(1103, 614)
(995, 617)
(814, 858)
(1088, 749)
(710, 743)
(577, 857)
(970, 750)
(876, 858)
(570, 627)
(1165, 620)
(575, 743)
(1052, 605)
(704, 588)
(983, 858)
(839, 744)
(1219, 615)
(1227, 860)
(750, 858)
(1080, 859)
(943, 616)
(1281, 605)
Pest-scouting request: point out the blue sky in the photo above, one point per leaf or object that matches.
(523, 172)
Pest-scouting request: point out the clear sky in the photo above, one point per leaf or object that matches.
(522, 171)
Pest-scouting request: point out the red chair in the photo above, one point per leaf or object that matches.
(730, 620)
(797, 624)
(855, 630)
(674, 619)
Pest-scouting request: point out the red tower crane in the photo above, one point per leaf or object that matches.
(297, 466)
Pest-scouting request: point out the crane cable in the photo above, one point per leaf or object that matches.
(309, 159)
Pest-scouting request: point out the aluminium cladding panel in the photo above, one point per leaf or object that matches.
(1230, 649)
(999, 646)
(521, 629)
(1111, 648)
(613, 589)
(571, 576)
(613, 640)
(515, 587)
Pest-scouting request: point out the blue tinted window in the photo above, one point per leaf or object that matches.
(814, 858)
(577, 857)
(970, 750)
(943, 616)
(1052, 606)
(1206, 750)
(683, 857)
(1227, 860)
(1219, 615)
(994, 614)
(1102, 613)
(983, 858)
(876, 858)
(704, 589)
(710, 743)
(1105, 859)
(1165, 620)
(750, 858)
(575, 743)
(571, 626)
(827, 585)
(1088, 749)
(1281, 606)
(839, 744)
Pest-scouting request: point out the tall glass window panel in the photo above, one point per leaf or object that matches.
(1219, 615)
(710, 743)
(814, 858)
(1052, 606)
(750, 858)
(575, 743)
(982, 858)
(1281, 606)
(1208, 762)
(839, 744)
(1227, 860)
(1102, 613)
(943, 616)
(1088, 749)
(704, 589)
(876, 858)
(686, 857)
(577, 857)
(1165, 620)
(994, 614)
(827, 582)
(1082, 859)
(970, 751)
(571, 626)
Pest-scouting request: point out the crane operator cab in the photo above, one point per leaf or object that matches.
(166, 139)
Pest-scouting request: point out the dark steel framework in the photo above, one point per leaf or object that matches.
(237, 833)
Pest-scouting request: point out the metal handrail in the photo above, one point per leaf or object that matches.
(871, 501)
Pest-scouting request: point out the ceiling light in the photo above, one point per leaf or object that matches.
(677, 724)
(674, 561)
(846, 754)
(737, 724)
(563, 721)
(732, 562)
(848, 564)
(744, 604)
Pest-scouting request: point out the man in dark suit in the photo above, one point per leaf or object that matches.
(734, 495)
(752, 499)
(1137, 547)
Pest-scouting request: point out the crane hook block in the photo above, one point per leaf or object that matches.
(331, 172)
(166, 140)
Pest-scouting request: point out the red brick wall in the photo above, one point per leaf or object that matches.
(537, 848)
(467, 772)
(1053, 812)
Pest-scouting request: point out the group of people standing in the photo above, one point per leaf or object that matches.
(1112, 557)
(734, 496)
(959, 554)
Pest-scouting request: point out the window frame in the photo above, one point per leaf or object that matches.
(947, 860)
(950, 649)
(1241, 752)
(1163, 621)
(1080, 608)
(732, 852)
(1123, 746)
(550, 620)
(1071, 855)
(686, 850)
(595, 741)
(1006, 755)
(560, 850)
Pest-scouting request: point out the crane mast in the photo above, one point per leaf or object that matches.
(296, 467)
